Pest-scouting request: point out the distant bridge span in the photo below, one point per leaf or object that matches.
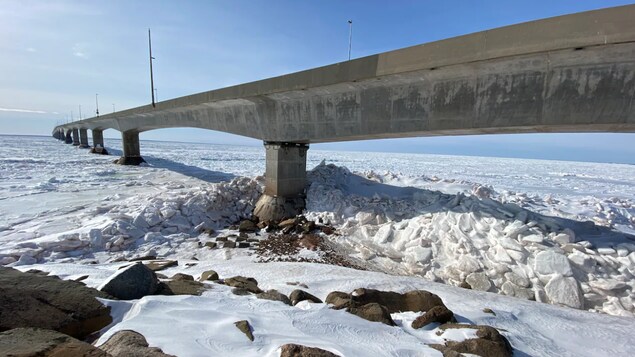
(572, 73)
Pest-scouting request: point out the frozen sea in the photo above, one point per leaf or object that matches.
(558, 233)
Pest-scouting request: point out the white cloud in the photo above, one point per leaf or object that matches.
(79, 51)
(23, 111)
(31, 49)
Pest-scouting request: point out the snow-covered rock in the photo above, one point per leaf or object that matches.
(549, 262)
(565, 291)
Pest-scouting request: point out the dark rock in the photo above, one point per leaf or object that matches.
(327, 230)
(211, 245)
(274, 295)
(308, 227)
(133, 282)
(240, 291)
(247, 226)
(81, 278)
(229, 244)
(245, 328)
(221, 239)
(243, 245)
(161, 276)
(373, 312)
(465, 285)
(41, 342)
(287, 223)
(181, 287)
(30, 300)
(98, 150)
(338, 299)
(249, 284)
(293, 350)
(208, 275)
(416, 300)
(158, 265)
(300, 295)
(37, 271)
(440, 314)
(127, 343)
(487, 310)
(489, 343)
(181, 276)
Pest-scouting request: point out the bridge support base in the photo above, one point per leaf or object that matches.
(68, 139)
(75, 137)
(131, 151)
(83, 139)
(98, 143)
(285, 180)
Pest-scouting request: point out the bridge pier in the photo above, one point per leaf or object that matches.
(131, 151)
(83, 138)
(98, 143)
(75, 137)
(285, 180)
(68, 139)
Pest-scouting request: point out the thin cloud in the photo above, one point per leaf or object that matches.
(22, 111)
(31, 49)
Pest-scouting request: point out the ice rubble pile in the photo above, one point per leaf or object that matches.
(156, 221)
(491, 246)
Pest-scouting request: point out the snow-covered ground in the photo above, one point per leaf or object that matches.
(557, 232)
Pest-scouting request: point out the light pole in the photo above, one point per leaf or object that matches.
(350, 38)
(151, 74)
(96, 105)
(80, 112)
(113, 107)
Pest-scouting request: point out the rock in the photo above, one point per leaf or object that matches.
(158, 265)
(293, 350)
(563, 238)
(565, 291)
(582, 261)
(487, 310)
(327, 230)
(229, 244)
(549, 262)
(240, 291)
(132, 282)
(274, 295)
(373, 312)
(210, 245)
(245, 327)
(243, 245)
(287, 223)
(489, 343)
(142, 258)
(41, 342)
(338, 299)
(181, 287)
(300, 295)
(247, 226)
(606, 251)
(181, 276)
(479, 281)
(517, 279)
(249, 284)
(127, 343)
(607, 284)
(440, 314)
(30, 300)
(208, 275)
(416, 300)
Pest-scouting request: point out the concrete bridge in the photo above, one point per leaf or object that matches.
(573, 73)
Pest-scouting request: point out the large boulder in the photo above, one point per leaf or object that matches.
(293, 350)
(34, 300)
(132, 282)
(564, 291)
(300, 295)
(416, 300)
(249, 284)
(373, 312)
(338, 299)
(127, 343)
(274, 295)
(489, 343)
(41, 342)
(439, 314)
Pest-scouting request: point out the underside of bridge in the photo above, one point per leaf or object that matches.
(573, 73)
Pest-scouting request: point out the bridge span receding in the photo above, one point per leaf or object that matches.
(572, 73)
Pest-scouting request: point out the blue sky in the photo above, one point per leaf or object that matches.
(56, 55)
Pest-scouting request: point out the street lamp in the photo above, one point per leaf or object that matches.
(350, 38)
(151, 75)
(96, 105)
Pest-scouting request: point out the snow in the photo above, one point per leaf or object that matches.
(555, 232)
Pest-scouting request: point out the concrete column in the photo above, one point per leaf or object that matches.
(285, 181)
(98, 143)
(75, 137)
(67, 137)
(131, 151)
(83, 138)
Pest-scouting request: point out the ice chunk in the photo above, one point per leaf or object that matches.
(479, 281)
(549, 262)
(565, 291)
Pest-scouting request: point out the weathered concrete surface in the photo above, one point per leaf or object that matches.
(98, 138)
(83, 138)
(68, 139)
(131, 150)
(75, 137)
(285, 180)
(573, 73)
